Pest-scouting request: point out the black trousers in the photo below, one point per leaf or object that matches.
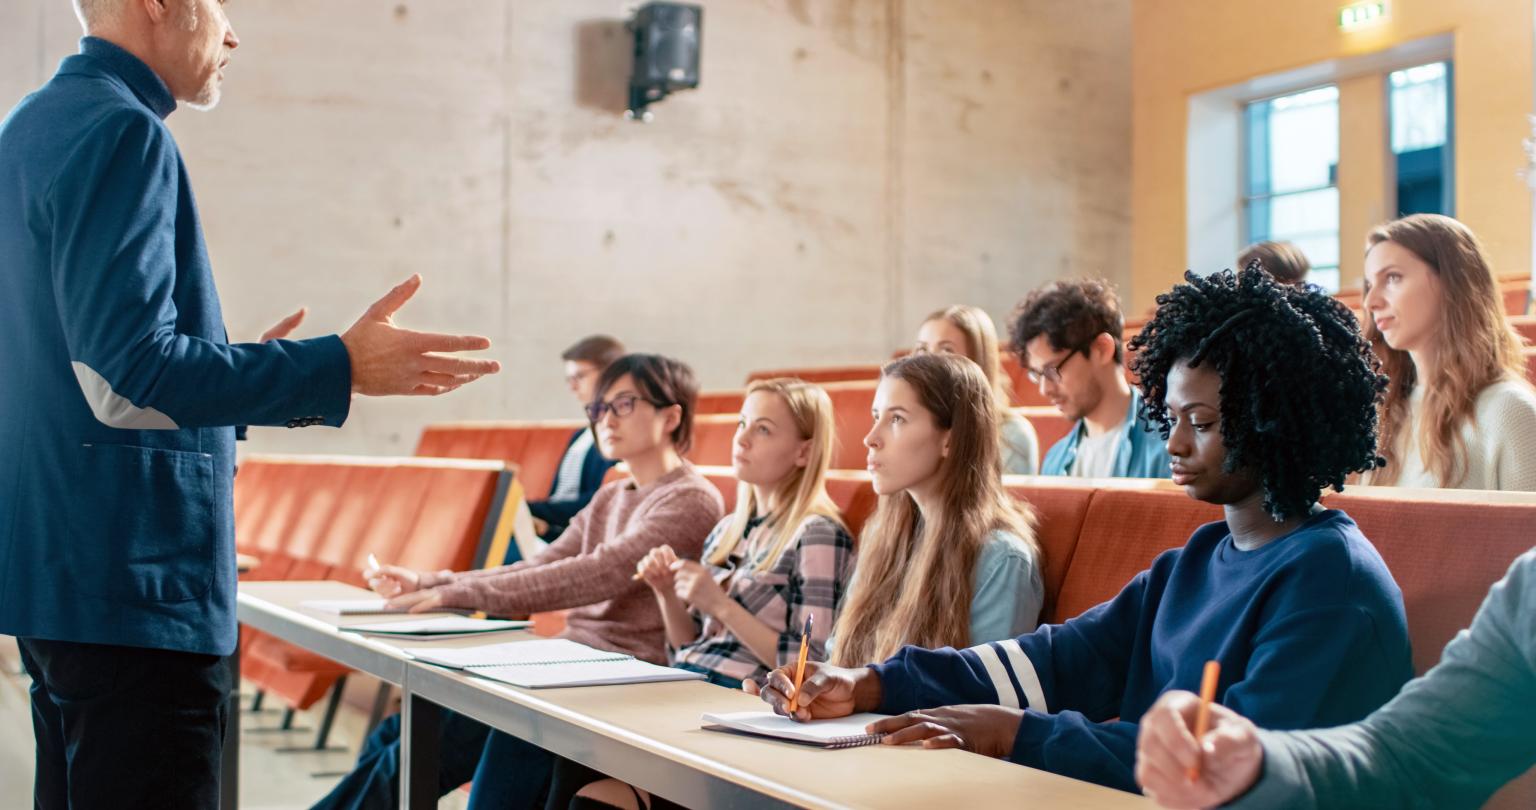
(125, 727)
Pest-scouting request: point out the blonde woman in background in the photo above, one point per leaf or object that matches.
(968, 332)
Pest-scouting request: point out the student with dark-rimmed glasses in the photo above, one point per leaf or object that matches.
(1067, 335)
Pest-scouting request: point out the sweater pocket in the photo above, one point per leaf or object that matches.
(149, 535)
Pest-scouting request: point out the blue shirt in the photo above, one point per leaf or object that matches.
(120, 385)
(1142, 451)
(1309, 629)
(1008, 591)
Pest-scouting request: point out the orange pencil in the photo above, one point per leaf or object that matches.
(1203, 717)
(805, 650)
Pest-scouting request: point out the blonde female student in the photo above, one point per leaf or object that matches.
(783, 557)
(1459, 412)
(968, 332)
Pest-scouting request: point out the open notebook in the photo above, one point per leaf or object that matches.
(842, 732)
(550, 663)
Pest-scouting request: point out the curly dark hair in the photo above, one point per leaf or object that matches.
(1070, 313)
(1300, 386)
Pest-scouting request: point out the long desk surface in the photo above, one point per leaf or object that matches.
(649, 735)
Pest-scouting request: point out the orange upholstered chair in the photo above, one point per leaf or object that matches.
(851, 405)
(1059, 508)
(720, 401)
(1123, 531)
(325, 514)
(714, 436)
(1050, 426)
(821, 374)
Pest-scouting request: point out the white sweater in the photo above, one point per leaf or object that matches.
(1500, 438)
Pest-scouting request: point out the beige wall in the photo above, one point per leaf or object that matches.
(846, 166)
(1184, 47)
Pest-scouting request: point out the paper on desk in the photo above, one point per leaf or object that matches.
(351, 607)
(438, 627)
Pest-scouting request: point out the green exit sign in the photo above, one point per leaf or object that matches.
(1360, 15)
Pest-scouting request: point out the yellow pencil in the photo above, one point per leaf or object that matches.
(1203, 717)
(805, 651)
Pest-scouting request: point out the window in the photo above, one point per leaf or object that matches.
(1291, 182)
(1419, 100)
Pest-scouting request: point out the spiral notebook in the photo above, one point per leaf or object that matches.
(842, 732)
(550, 664)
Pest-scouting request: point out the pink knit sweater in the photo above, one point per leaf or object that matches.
(590, 568)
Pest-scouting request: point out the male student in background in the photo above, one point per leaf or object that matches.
(117, 559)
(582, 468)
(1068, 335)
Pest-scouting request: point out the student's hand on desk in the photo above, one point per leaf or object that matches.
(422, 601)
(540, 527)
(387, 360)
(828, 691)
(981, 729)
(390, 581)
(693, 584)
(1230, 756)
(284, 327)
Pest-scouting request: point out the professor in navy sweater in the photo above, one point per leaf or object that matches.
(117, 559)
(1266, 394)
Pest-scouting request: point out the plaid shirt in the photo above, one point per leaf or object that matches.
(811, 578)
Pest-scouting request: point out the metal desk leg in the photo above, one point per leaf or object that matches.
(420, 738)
(229, 770)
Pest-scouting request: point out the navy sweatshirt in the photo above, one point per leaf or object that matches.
(1309, 630)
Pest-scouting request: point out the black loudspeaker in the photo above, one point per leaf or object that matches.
(667, 37)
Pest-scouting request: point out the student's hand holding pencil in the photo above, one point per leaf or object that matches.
(1229, 755)
(825, 692)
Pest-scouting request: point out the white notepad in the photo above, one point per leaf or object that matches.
(841, 732)
(551, 663)
(351, 607)
(584, 673)
(536, 651)
(437, 627)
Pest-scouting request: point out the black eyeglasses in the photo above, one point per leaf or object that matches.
(622, 405)
(1052, 372)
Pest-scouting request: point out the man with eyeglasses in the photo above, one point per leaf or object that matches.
(1067, 334)
(582, 467)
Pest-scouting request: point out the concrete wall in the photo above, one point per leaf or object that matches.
(846, 166)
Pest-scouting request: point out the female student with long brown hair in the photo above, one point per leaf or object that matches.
(968, 332)
(1459, 412)
(949, 558)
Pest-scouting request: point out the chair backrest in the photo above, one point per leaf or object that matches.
(535, 447)
(727, 401)
(714, 436)
(1050, 425)
(1445, 548)
(821, 374)
(1123, 531)
(320, 516)
(851, 405)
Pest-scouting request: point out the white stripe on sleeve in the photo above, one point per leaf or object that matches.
(1024, 669)
(1006, 694)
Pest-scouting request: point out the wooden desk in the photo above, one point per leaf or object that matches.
(649, 735)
